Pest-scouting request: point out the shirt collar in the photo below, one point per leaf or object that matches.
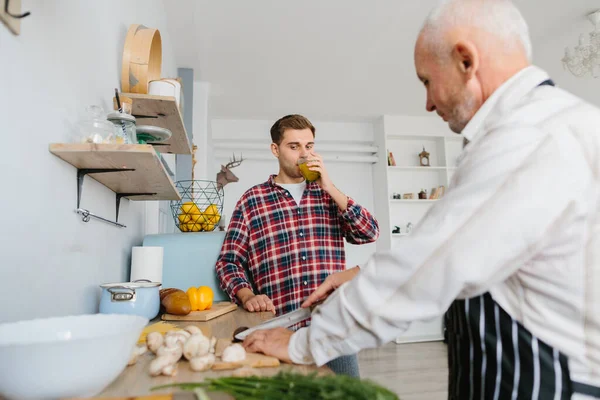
(272, 182)
(504, 97)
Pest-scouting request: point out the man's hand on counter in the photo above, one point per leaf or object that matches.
(271, 342)
(255, 303)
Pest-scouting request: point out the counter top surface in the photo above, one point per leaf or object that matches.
(136, 381)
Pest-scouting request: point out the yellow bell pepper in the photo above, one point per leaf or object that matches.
(201, 298)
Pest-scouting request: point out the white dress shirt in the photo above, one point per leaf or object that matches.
(520, 220)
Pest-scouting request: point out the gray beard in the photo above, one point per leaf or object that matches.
(462, 115)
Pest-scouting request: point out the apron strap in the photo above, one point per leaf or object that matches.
(547, 82)
(584, 388)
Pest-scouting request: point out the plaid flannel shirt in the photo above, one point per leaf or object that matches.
(287, 250)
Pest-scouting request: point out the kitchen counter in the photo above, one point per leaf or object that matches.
(136, 381)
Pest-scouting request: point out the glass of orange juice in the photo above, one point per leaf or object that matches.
(309, 175)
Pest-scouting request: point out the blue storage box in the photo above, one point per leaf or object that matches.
(189, 259)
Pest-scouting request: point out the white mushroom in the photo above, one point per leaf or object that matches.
(136, 353)
(234, 353)
(162, 365)
(180, 332)
(171, 349)
(196, 346)
(192, 329)
(170, 370)
(180, 336)
(142, 349)
(171, 341)
(202, 363)
(154, 340)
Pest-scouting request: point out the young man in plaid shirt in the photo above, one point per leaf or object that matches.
(288, 234)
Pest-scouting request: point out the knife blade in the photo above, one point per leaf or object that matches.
(283, 321)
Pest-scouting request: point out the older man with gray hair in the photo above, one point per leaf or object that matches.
(512, 251)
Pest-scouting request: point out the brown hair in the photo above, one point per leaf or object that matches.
(293, 121)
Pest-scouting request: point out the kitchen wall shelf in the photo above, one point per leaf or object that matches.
(133, 171)
(161, 111)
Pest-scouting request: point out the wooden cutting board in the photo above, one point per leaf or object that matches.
(253, 360)
(216, 310)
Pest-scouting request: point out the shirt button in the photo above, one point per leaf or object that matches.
(303, 258)
(305, 283)
(301, 234)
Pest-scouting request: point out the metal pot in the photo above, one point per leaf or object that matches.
(140, 297)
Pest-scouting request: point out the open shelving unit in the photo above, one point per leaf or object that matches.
(406, 141)
(132, 171)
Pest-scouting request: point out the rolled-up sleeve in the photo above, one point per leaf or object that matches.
(230, 266)
(490, 223)
(358, 225)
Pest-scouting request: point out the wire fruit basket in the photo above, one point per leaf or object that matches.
(200, 207)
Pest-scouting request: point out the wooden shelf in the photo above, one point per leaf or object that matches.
(162, 111)
(149, 175)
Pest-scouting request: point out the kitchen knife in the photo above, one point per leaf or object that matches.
(283, 321)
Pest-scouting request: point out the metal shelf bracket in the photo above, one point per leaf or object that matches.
(86, 215)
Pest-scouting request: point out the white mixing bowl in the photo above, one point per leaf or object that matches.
(74, 356)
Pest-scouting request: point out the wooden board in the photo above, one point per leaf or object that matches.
(253, 360)
(149, 176)
(168, 116)
(14, 24)
(216, 310)
(173, 396)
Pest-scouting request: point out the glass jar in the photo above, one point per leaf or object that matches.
(93, 127)
(124, 127)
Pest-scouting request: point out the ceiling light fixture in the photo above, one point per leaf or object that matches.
(585, 57)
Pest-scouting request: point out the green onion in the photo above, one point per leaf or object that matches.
(286, 385)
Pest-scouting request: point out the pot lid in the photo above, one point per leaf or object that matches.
(133, 285)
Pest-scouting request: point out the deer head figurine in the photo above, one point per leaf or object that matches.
(225, 176)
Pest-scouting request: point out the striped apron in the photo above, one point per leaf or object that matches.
(492, 356)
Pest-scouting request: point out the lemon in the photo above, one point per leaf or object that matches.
(212, 214)
(198, 218)
(183, 227)
(193, 227)
(184, 218)
(190, 207)
(208, 227)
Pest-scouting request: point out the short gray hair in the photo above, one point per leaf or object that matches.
(498, 17)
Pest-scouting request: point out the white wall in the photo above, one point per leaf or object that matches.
(354, 179)
(67, 56)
